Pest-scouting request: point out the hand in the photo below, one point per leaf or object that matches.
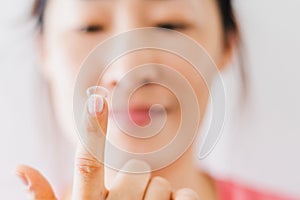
(89, 172)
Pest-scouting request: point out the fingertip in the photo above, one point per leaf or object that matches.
(136, 166)
(35, 182)
(96, 99)
(21, 168)
(26, 170)
(22, 172)
(23, 179)
(137, 174)
(162, 182)
(95, 104)
(97, 110)
(186, 193)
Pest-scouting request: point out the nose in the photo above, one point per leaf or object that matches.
(139, 68)
(127, 18)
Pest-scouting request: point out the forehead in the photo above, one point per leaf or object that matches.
(134, 2)
(194, 8)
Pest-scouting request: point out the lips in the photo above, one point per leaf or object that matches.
(140, 115)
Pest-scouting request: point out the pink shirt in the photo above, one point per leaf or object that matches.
(231, 191)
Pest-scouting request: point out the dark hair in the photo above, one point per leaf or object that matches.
(228, 19)
(38, 11)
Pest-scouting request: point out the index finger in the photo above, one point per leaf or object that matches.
(89, 170)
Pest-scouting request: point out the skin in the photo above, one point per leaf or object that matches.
(64, 44)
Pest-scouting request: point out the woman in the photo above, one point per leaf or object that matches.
(69, 30)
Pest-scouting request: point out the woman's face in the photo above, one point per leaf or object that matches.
(72, 28)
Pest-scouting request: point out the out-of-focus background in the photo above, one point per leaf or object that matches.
(259, 146)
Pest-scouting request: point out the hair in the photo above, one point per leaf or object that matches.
(225, 6)
(229, 23)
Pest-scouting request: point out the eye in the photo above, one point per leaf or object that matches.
(172, 26)
(91, 29)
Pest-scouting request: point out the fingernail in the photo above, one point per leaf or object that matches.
(96, 96)
(23, 178)
(95, 104)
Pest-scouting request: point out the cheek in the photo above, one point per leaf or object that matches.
(209, 29)
(200, 85)
(65, 52)
(212, 42)
(62, 63)
(199, 80)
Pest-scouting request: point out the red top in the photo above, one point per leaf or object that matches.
(231, 191)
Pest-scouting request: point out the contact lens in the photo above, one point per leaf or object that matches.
(97, 90)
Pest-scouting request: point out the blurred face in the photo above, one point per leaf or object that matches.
(73, 28)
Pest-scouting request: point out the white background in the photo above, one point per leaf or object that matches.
(259, 147)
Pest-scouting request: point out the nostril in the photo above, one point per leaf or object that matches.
(146, 81)
(113, 83)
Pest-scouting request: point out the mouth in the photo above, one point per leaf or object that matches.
(140, 115)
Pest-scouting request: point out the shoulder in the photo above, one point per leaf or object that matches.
(229, 190)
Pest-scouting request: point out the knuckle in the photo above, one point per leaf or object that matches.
(87, 166)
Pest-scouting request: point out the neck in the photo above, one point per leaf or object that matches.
(184, 173)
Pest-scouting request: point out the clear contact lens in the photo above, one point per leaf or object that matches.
(97, 90)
